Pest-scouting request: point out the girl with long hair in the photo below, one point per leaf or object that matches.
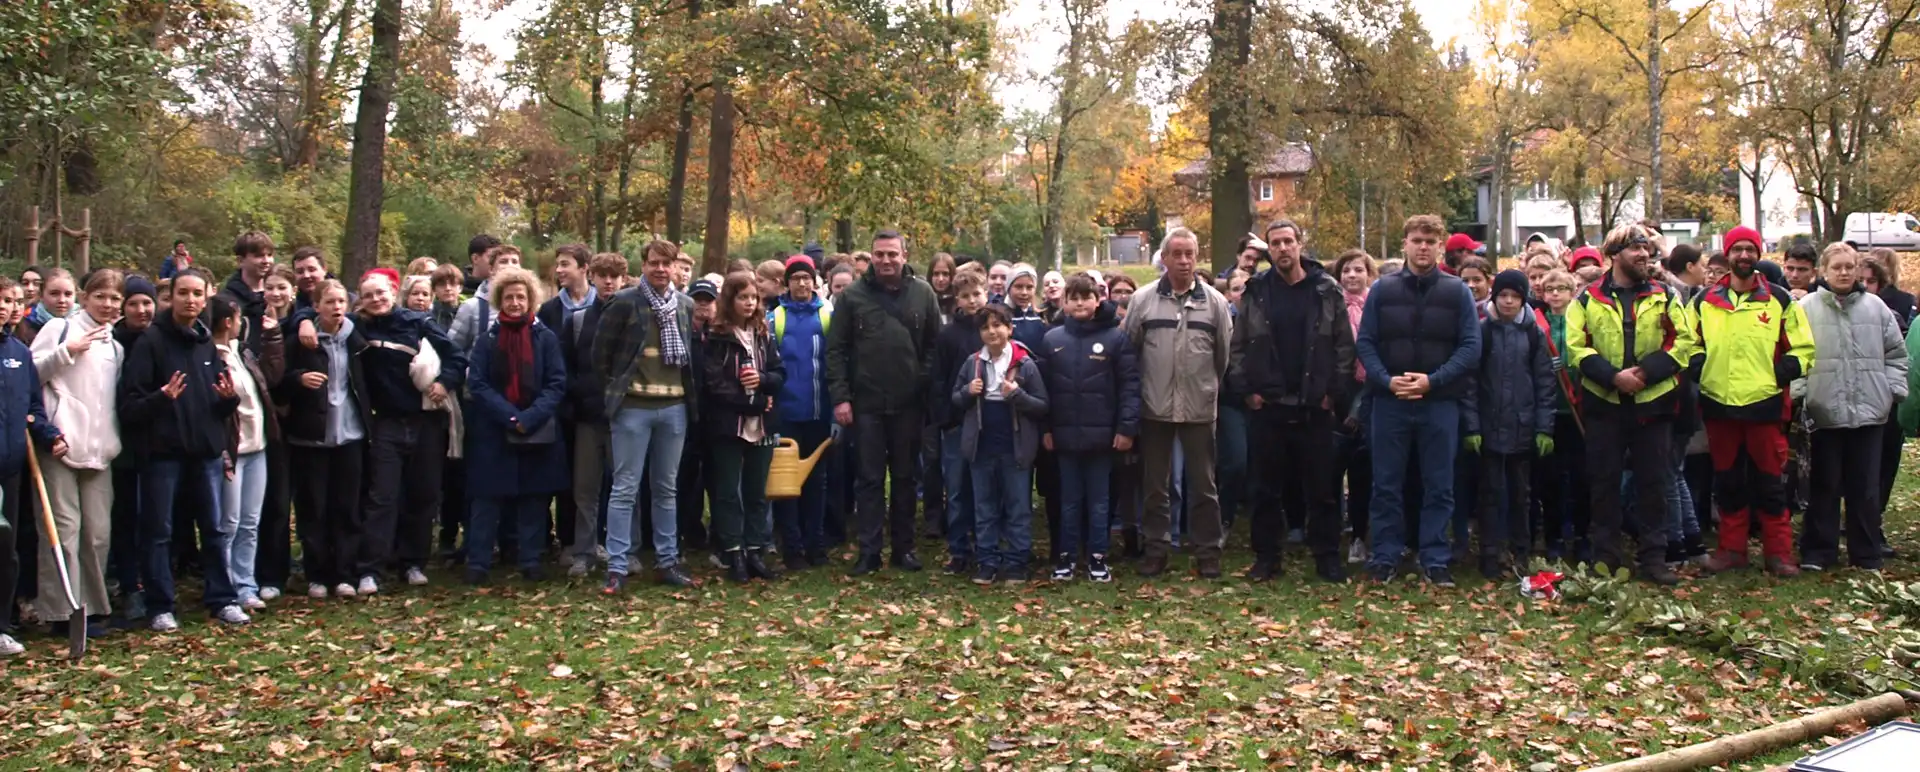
(79, 366)
(742, 372)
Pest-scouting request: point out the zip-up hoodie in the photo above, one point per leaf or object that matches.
(957, 341)
(194, 425)
(1028, 403)
(79, 391)
(803, 349)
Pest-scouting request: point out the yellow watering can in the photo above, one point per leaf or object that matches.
(789, 471)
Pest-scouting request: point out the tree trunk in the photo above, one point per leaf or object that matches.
(843, 234)
(719, 178)
(366, 186)
(596, 91)
(626, 122)
(1656, 121)
(682, 147)
(1229, 135)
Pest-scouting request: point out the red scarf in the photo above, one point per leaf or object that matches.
(516, 360)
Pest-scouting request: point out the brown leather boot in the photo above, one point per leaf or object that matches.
(1724, 561)
(1782, 567)
(1153, 564)
(1209, 566)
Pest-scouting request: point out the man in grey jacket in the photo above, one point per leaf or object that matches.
(1181, 328)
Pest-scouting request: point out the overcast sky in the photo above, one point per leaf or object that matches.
(1034, 23)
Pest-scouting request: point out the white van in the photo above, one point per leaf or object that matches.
(1866, 230)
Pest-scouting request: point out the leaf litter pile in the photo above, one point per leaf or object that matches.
(823, 672)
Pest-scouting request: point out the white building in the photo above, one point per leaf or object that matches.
(1536, 210)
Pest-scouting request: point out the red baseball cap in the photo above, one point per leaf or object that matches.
(1462, 241)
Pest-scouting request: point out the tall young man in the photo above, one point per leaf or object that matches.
(1753, 343)
(1293, 358)
(1419, 341)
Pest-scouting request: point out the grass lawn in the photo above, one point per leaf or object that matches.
(918, 671)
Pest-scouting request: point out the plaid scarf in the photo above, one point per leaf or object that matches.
(673, 347)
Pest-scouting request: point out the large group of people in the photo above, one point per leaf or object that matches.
(1636, 404)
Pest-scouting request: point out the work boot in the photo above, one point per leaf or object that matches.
(1263, 570)
(1209, 566)
(1153, 565)
(757, 566)
(1781, 567)
(1660, 574)
(1725, 560)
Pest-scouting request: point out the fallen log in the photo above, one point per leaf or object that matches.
(1727, 750)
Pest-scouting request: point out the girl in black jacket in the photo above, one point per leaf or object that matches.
(326, 431)
(740, 374)
(175, 397)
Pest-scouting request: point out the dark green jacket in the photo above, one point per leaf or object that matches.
(880, 349)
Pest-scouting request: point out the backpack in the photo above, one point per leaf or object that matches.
(780, 321)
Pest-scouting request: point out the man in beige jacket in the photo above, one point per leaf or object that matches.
(1181, 327)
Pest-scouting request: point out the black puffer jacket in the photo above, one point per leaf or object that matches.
(194, 425)
(1093, 382)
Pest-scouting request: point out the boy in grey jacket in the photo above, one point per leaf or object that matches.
(1003, 398)
(1508, 414)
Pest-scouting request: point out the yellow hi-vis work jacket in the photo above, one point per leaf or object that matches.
(1752, 347)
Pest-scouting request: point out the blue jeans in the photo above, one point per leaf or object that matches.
(802, 521)
(1683, 521)
(193, 479)
(959, 480)
(1429, 431)
(240, 505)
(1231, 446)
(484, 514)
(1084, 506)
(643, 438)
(1003, 510)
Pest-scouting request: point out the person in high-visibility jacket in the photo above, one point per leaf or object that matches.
(1754, 341)
(1628, 339)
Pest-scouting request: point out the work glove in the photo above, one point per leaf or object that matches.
(1474, 441)
(1543, 442)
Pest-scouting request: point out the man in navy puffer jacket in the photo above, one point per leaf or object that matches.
(1093, 377)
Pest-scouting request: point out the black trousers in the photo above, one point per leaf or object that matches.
(274, 562)
(1504, 479)
(1616, 441)
(331, 518)
(889, 446)
(453, 503)
(1295, 444)
(405, 457)
(1356, 466)
(1893, 441)
(9, 564)
(123, 552)
(1846, 467)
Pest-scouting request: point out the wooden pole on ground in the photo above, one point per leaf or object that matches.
(1727, 750)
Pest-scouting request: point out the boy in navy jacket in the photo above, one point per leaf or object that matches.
(1094, 385)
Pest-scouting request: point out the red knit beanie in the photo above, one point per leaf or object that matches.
(1743, 233)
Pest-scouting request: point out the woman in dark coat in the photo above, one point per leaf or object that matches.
(741, 372)
(516, 460)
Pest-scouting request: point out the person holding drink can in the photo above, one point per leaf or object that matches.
(742, 373)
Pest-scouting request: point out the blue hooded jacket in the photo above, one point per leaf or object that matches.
(802, 339)
(19, 399)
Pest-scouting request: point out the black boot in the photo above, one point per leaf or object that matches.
(737, 567)
(1133, 544)
(757, 567)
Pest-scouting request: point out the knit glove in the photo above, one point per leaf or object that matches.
(1543, 442)
(1474, 441)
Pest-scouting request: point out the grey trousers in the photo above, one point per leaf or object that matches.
(589, 471)
(1202, 495)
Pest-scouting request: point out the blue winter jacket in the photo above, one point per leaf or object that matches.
(496, 467)
(1512, 394)
(1093, 382)
(19, 398)
(802, 339)
(1029, 327)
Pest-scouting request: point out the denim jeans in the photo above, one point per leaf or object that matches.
(1232, 447)
(643, 438)
(1427, 431)
(1084, 507)
(529, 515)
(194, 480)
(802, 521)
(1682, 521)
(954, 466)
(240, 504)
(1003, 511)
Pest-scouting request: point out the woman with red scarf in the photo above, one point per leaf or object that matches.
(516, 460)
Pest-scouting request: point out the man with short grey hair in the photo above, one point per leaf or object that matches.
(1181, 326)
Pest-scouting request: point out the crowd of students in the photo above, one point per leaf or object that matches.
(1629, 404)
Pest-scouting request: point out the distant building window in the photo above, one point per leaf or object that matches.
(1266, 190)
(1803, 215)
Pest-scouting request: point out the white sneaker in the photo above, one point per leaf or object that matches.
(415, 577)
(368, 586)
(343, 590)
(10, 647)
(164, 623)
(317, 591)
(232, 615)
(1357, 553)
(252, 603)
(269, 593)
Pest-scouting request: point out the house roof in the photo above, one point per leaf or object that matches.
(1292, 158)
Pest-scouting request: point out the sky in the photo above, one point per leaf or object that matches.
(1034, 23)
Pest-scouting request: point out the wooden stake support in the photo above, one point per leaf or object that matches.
(82, 238)
(1727, 750)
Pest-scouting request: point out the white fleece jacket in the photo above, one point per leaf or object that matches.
(79, 390)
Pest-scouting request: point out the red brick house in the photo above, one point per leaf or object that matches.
(1274, 183)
